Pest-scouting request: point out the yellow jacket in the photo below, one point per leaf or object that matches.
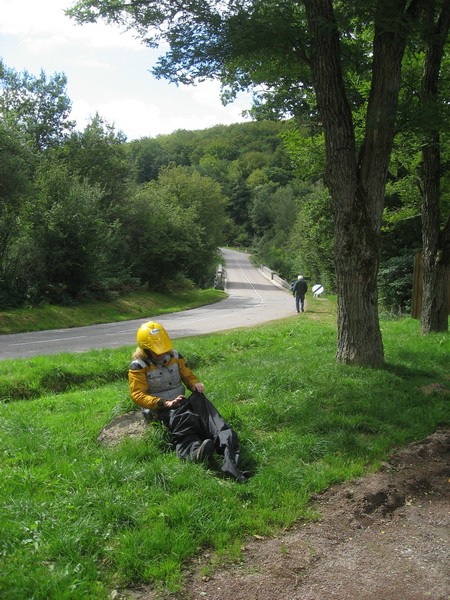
(152, 381)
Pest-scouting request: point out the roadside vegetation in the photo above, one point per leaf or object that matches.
(80, 519)
(83, 213)
(133, 305)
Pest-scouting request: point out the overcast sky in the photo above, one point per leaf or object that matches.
(107, 72)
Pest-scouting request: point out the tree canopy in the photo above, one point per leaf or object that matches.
(39, 105)
(307, 60)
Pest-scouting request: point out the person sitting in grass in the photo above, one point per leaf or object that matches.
(158, 376)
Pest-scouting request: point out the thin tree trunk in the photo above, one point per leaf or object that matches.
(436, 244)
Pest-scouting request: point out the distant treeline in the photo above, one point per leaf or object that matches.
(87, 214)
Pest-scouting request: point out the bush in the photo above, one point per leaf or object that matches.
(395, 279)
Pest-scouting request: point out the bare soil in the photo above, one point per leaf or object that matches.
(381, 537)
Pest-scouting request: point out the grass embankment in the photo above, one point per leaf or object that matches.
(79, 519)
(132, 306)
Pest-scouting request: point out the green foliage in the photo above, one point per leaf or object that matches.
(267, 171)
(16, 162)
(219, 146)
(67, 239)
(309, 236)
(199, 195)
(172, 228)
(307, 152)
(38, 105)
(98, 156)
(395, 283)
(80, 519)
(273, 214)
(79, 221)
(87, 221)
(157, 237)
(238, 157)
(312, 238)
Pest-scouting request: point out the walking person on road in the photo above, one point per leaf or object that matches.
(299, 291)
(158, 376)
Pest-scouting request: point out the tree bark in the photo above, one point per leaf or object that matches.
(436, 244)
(357, 186)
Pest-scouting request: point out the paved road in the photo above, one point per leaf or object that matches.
(252, 299)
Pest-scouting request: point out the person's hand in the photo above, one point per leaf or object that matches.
(199, 387)
(175, 402)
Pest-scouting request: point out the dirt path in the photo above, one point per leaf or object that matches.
(382, 537)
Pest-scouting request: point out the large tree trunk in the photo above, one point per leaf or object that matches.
(357, 186)
(436, 244)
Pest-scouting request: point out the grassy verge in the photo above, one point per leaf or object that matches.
(79, 519)
(132, 306)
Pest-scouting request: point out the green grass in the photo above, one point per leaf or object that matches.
(132, 306)
(79, 519)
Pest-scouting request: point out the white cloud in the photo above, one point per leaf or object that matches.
(129, 115)
(42, 24)
(24, 17)
(138, 118)
(107, 72)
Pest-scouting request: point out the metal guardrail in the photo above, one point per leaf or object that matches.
(219, 279)
(274, 277)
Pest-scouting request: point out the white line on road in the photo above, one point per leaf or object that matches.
(77, 337)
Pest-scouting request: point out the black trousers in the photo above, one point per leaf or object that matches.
(299, 303)
(197, 419)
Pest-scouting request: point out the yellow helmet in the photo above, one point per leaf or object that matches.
(152, 336)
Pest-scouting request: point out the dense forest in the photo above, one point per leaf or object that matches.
(88, 214)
